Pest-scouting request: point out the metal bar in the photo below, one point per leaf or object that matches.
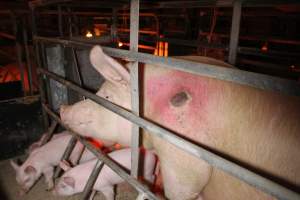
(49, 132)
(69, 22)
(28, 61)
(235, 31)
(135, 95)
(66, 154)
(92, 180)
(213, 159)
(39, 3)
(256, 80)
(60, 25)
(18, 53)
(8, 36)
(104, 158)
(113, 30)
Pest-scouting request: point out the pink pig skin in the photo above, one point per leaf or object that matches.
(74, 180)
(248, 125)
(42, 160)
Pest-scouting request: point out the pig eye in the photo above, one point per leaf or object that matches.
(107, 97)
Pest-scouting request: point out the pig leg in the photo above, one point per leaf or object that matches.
(48, 173)
(108, 192)
(184, 176)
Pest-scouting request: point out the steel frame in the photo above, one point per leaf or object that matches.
(232, 75)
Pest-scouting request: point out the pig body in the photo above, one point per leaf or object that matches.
(74, 180)
(42, 161)
(251, 126)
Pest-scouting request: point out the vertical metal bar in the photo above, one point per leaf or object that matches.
(66, 154)
(41, 86)
(70, 22)
(18, 52)
(113, 30)
(92, 180)
(134, 77)
(235, 31)
(60, 27)
(49, 132)
(38, 63)
(29, 70)
(47, 80)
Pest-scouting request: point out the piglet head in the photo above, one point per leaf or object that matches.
(26, 176)
(65, 186)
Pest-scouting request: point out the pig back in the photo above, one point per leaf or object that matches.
(258, 129)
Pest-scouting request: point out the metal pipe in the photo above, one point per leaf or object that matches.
(49, 132)
(92, 180)
(18, 53)
(60, 25)
(235, 31)
(29, 66)
(7, 36)
(135, 94)
(256, 80)
(104, 158)
(67, 152)
(40, 3)
(113, 29)
(213, 159)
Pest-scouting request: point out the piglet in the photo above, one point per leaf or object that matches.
(42, 161)
(74, 180)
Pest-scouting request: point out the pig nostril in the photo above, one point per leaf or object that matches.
(179, 99)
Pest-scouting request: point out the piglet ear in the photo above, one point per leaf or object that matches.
(69, 181)
(109, 68)
(30, 170)
(14, 165)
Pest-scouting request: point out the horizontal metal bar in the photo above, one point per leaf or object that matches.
(213, 159)
(104, 158)
(40, 3)
(256, 80)
(7, 36)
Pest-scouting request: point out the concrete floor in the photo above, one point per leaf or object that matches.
(9, 189)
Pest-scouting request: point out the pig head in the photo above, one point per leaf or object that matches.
(250, 126)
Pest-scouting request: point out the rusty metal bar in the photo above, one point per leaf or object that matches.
(49, 133)
(198, 151)
(135, 94)
(60, 25)
(104, 158)
(8, 36)
(235, 31)
(40, 3)
(92, 180)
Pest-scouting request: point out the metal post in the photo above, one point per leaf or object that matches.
(60, 26)
(134, 77)
(18, 52)
(41, 86)
(66, 154)
(70, 22)
(49, 132)
(92, 180)
(28, 61)
(235, 31)
(114, 25)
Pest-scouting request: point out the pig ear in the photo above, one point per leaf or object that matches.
(109, 68)
(69, 181)
(30, 170)
(14, 165)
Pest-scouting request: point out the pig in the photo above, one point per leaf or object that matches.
(256, 128)
(75, 179)
(42, 160)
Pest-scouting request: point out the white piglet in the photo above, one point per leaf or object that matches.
(42, 161)
(74, 180)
